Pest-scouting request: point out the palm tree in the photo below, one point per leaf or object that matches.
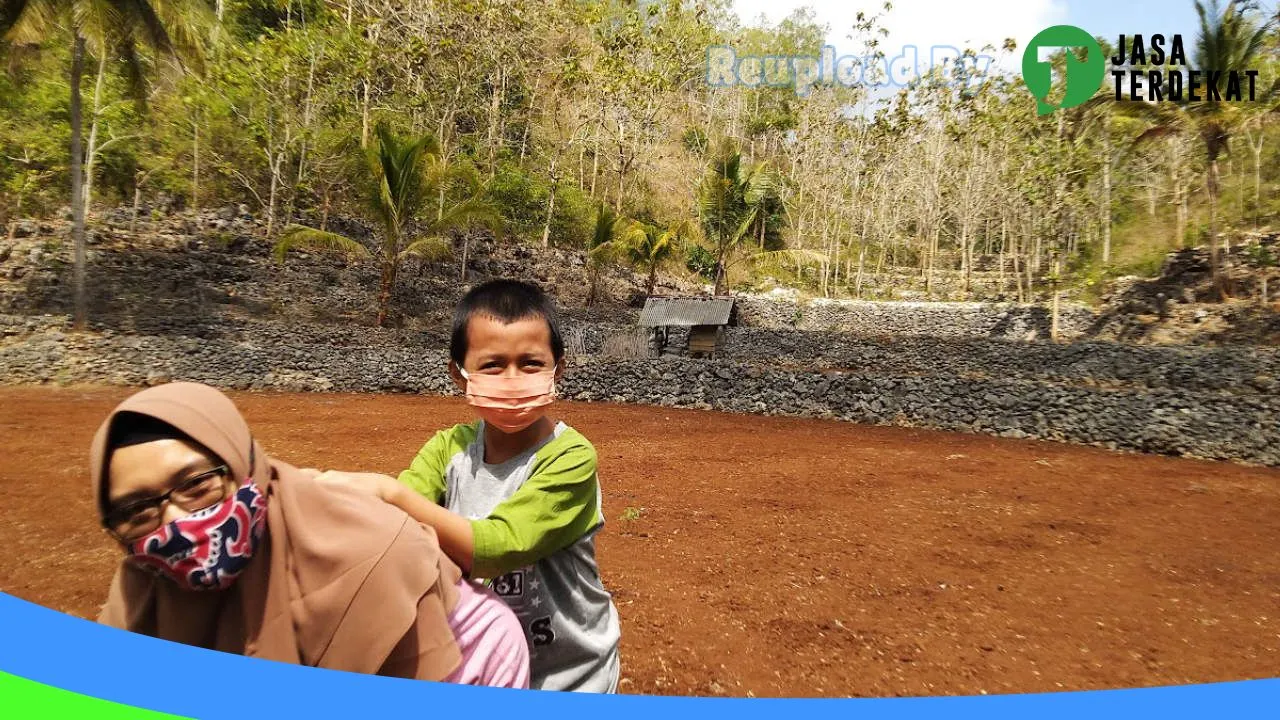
(1229, 38)
(399, 184)
(648, 246)
(735, 204)
(603, 247)
(102, 28)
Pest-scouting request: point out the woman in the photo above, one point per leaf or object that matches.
(229, 549)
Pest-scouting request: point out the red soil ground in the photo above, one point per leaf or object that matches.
(785, 557)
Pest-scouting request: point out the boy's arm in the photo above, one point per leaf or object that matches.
(555, 507)
(426, 474)
(453, 531)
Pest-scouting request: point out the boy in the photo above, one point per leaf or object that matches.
(515, 497)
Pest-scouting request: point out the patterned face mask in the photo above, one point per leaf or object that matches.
(208, 549)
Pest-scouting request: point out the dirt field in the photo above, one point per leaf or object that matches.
(783, 557)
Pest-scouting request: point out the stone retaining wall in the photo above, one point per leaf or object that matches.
(1192, 417)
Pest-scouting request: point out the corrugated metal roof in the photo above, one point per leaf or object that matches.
(685, 312)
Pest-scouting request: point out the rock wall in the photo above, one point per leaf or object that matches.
(1233, 370)
(208, 303)
(936, 319)
(192, 274)
(1179, 410)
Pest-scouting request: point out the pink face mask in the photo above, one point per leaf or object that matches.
(511, 404)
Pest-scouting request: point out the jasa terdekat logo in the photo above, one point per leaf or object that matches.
(1150, 69)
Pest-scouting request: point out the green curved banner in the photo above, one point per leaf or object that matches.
(21, 698)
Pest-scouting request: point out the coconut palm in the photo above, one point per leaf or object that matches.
(603, 247)
(103, 28)
(648, 246)
(735, 204)
(402, 177)
(1229, 38)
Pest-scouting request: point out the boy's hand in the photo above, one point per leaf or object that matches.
(383, 487)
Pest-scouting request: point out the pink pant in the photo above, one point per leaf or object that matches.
(494, 650)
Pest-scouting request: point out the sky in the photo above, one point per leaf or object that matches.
(925, 23)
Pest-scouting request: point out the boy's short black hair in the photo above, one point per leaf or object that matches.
(508, 301)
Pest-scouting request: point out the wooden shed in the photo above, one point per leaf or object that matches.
(706, 318)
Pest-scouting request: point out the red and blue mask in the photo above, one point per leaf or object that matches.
(210, 548)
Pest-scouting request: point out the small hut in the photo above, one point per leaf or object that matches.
(706, 318)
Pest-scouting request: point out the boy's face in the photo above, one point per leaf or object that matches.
(498, 348)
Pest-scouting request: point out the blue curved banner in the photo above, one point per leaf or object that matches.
(60, 651)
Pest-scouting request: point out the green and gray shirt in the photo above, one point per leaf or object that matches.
(534, 519)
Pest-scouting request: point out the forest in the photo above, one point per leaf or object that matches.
(590, 125)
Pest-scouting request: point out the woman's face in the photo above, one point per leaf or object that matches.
(143, 472)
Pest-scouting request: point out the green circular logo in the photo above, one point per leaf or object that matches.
(1083, 77)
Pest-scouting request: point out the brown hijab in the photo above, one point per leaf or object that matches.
(342, 580)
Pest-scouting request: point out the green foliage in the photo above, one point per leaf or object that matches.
(34, 135)
(702, 261)
(604, 103)
(695, 141)
(1261, 255)
(407, 184)
(296, 237)
(522, 196)
(736, 205)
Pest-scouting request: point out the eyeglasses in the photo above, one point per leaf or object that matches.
(133, 521)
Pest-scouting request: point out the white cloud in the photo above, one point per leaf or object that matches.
(923, 23)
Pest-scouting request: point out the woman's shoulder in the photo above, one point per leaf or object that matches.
(312, 509)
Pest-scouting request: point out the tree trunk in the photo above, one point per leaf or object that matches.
(364, 113)
(91, 151)
(17, 213)
(1214, 259)
(271, 198)
(1017, 278)
(1057, 272)
(384, 290)
(622, 168)
(1183, 216)
(325, 206)
(653, 278)
(524, 137)
(495, 105)
(593, 282)
(933, 259)
(77, 185)
(862, 259)
(195, 162)
(466, 248)
(1105, 210)
(1004, 249)
(1257, 173)
(1030, 271)
(139, 178)
(595, 169)
(551, 205)
(1239, 188)
(306, 120)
